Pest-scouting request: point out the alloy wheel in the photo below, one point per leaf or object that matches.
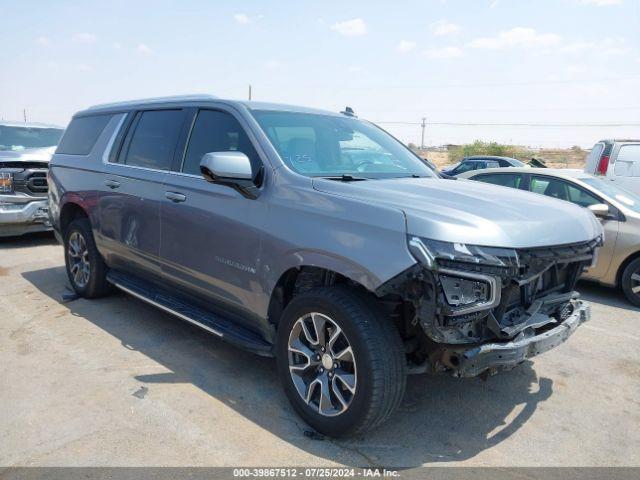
(635, 282)
(79, 265)
(322, 364)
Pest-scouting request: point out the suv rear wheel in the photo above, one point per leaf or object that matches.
(341, 361)
(86, 270)
(631, 282)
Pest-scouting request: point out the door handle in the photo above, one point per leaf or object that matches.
(175, 196)
(112, 184)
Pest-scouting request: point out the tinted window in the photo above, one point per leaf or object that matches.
(81, 134)
(628, 161)
(465, 167)
(512, 180)
(154, 139)
(216, 131)
(553, 187)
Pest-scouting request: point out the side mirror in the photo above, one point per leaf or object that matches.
(217, 166)
(600, 210)
(232, 169)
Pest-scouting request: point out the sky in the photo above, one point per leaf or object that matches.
(472, 68)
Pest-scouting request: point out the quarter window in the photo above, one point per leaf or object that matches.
(217, 131)
(154, 139)
(82, 134)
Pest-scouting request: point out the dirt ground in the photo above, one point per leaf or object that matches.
(116, 382)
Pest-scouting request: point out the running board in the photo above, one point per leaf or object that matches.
(221, 327)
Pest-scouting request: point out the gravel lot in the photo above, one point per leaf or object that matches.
(115, 382)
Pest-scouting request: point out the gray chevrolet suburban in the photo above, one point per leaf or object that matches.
(317, 238)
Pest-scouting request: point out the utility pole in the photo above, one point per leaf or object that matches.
(249, 91)
(24, 114)
(424, 125)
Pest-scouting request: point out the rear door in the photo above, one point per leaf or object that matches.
(211, 234)
(625, 168)
(132, 191)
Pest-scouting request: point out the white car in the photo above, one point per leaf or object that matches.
(617, 161)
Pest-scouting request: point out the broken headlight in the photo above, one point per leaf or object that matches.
(465, 291)
(428, 252)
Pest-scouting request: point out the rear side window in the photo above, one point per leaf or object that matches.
(154, 139)
(216, 131)
(511, 180)
(628, 161)
(81, 134)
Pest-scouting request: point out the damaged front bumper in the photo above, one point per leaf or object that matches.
(20, 215)
(467, 310)
(497, 356)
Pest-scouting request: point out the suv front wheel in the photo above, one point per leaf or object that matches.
(341, 361)
(86, 270)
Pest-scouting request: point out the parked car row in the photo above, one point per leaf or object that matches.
(319, 239)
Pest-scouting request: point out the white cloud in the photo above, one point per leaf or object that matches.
(608, 47)
(442, 27)
(601, 3)
(43, 41)
(242, 18)
(144, 49)
(445, 52)
(116, 45)
(273, 64)
(493, 3)
(84, 38)
(350, 28)
(406, 46)
(517, 37)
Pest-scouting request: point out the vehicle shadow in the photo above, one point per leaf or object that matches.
(441, 419)
(29, 240)
(612, 297)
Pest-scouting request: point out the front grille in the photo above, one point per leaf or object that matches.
(36, 182)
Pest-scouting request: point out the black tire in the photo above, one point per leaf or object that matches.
(378, 352)
(631, 279)
(97, 285)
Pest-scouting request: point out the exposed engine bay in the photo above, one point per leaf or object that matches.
(469, 310)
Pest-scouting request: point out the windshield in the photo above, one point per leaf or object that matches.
(19, 138)
(329, 146)
(628, 199)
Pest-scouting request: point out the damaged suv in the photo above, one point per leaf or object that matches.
(25, 151)
(317, 238)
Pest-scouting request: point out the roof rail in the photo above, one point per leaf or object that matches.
(174, 98)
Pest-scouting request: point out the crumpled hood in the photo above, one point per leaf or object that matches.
(477, 213)
(27, 155)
